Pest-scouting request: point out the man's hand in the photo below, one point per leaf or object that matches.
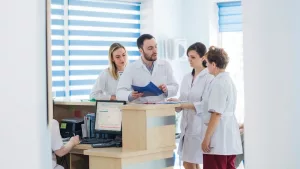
(163, 87)
(136, 94)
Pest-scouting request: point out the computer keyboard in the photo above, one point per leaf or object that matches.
(108, 144)
(94, 140)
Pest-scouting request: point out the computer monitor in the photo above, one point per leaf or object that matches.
(108, 117)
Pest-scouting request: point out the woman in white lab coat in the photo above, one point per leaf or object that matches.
(106, 84)
(222, 140)
(192, 88)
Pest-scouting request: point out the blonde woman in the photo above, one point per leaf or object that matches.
(106, 84)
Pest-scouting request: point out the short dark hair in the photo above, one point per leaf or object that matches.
(142, 38)
(218, 56)
(200, 48)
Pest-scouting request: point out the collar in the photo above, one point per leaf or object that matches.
(202, 73)
(222, 74)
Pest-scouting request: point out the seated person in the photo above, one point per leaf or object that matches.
(57, 146)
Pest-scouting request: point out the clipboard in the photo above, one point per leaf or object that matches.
(148, 90)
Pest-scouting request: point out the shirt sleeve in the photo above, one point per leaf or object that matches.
(198, 107)
(56, 140)
(98, 90)
(124, 88)
(217, 99)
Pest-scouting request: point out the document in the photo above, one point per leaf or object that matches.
(149, 90)
(171, 102)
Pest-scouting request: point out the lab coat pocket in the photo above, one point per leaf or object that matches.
(196, 124)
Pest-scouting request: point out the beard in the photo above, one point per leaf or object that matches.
(150, 58)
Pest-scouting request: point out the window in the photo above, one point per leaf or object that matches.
(231, 38)
(82, 32)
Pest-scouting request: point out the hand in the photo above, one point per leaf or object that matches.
(173, 99)
(75, 140)
(113, 97)
(163, 88)
(206, 145)
(241, 127)
(177, 109)
(136, 94)
(187, 106)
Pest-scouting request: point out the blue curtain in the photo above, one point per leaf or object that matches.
(230, 16)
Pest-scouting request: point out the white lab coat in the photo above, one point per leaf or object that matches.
(137, 74)
(104, 87)
(56, 142)
(221, 98)
(191, 121)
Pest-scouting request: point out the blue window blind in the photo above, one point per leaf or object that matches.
(58, 53)
(230, 16)
(82, 39)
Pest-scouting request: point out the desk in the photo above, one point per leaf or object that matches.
(84, 157)
(77, 159)
(148, 133)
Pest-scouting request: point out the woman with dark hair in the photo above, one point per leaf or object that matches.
(192, 88)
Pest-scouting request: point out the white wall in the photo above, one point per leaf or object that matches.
(25, 141)
(272, 83)
(163, 19)
(200, 21)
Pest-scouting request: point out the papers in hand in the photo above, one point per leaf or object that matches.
(149, 90)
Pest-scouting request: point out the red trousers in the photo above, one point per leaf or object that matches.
(218, 161)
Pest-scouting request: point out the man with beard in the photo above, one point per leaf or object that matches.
(147, 69)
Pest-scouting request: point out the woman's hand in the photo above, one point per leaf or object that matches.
(177, 109)
(206, 145)
(173, 100)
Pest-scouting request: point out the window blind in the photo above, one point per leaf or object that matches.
(82, 36)
(58, 62)
(230, 16)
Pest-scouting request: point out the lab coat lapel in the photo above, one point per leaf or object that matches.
(155, 67)
(141, 65)
(202, 73)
